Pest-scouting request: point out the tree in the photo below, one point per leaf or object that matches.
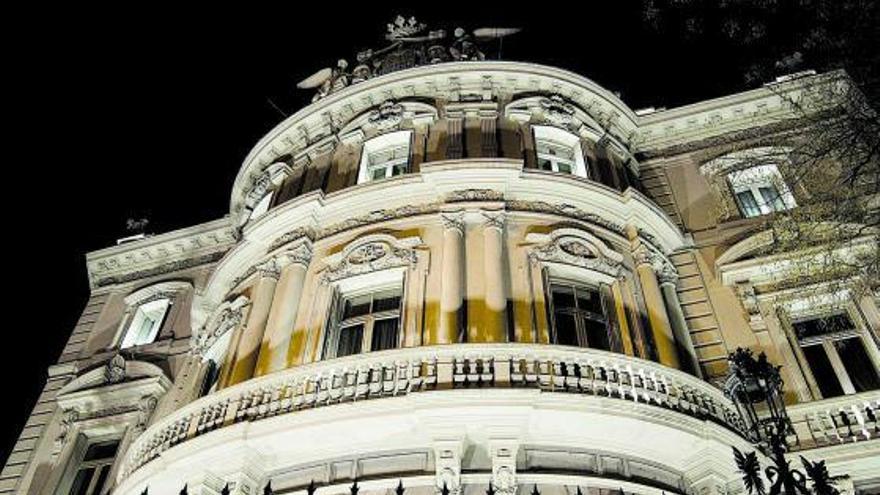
(831, 140)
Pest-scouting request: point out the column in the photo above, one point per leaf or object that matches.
(661, 329)
(620, 311)
(495, 299)
(452, 283)
(252, 336)
(668, 279)
(285, 305)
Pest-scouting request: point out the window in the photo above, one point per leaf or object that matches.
(262, 206)
(146, 323)
(760, 190)
(366, 322)
(836, 355)
(92, 471)
(385, 156)
(578, 316)
(559, 151)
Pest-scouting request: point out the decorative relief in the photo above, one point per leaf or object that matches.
(298, 233)
(68, 418)
(453, 221)
(372, 253)
(559, 112)
(114, 370)
(146, 406)
(565, 210)
(474, 195)
(575, 247)
(492, 219)
(379, 216)
(229, 317)
(388, 116)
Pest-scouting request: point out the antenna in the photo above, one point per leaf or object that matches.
(276, 107)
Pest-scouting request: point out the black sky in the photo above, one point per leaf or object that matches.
(115, 114)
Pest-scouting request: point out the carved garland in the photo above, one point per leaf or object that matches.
(577, 248)
(369, 254)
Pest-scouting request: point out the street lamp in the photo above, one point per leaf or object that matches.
(756, 388)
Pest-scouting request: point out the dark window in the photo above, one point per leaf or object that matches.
(92, 472)
(371, 319)
(578, 317)
(859, 367)
(836, 355)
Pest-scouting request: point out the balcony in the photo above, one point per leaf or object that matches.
(836, 421)
(400, 372)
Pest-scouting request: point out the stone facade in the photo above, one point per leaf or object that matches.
(409, 279)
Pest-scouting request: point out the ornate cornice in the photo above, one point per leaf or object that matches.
(161, 254)
(475, 195)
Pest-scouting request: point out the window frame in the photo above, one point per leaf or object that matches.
(827, 342)
(138, 316)
(560, 138)
(76, 463)
(577, 313)
(393, 279)
(390, 140)
(753, 181)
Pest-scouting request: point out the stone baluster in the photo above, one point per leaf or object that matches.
(285, 305)
(453, 281)
(495, 315)
(248, 347)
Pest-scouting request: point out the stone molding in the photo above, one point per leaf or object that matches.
(575, 247)
(371, 253)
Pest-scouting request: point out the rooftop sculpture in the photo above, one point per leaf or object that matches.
(411, 44)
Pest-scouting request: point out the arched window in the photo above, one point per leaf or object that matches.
(385, 156)
(760, 190)
(559, 151)
(146, 323)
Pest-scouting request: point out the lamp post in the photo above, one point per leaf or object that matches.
(756, 389)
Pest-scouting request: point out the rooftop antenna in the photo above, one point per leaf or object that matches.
(276, 107)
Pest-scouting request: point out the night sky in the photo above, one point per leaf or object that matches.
(149, 113)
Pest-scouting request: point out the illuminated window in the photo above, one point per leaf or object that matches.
(145, 323)
(558, 151)
(385, 156)
(760, 190)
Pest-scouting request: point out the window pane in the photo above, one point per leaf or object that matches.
(545, 164)
(384, 334)
(106, 450)
(858, 365)
(386, 302)
(377, 173)
(588, 300)
(597, 334)
(822, 370)
(82, 481)
(772, 198)
(350, 340)
(564, 167)
(398, 169)
(747, 204)
(563, 297)
(566, 331)
(827, 325)
(356, 306)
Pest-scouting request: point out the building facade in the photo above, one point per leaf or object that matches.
(447, 274)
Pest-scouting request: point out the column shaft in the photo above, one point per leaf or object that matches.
(664, 339)
(282, 318)
(495, 299)
(252, 336)
(679, 326)
(452, 283)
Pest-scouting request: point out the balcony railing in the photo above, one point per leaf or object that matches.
(840, 420)
(412, 370)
